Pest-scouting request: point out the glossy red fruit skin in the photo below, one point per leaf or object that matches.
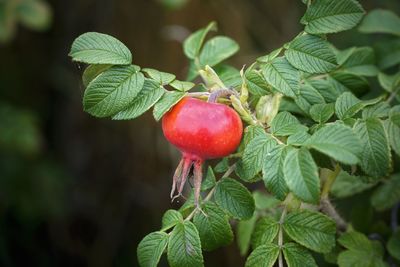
(202, 130)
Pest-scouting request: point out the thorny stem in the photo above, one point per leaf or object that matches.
(280, 236)
(211, 193)
(326, 205)
(327, 208)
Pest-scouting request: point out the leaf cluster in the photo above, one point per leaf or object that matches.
(316, 127)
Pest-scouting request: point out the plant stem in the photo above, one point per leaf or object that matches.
(229, 171)
(319, 77)
(328, 209)
(198, 94)
(212, 191)
(277, 140)
(326, 205)
(280, 236)
(393, 95)
(219, 93)
(329, 181)
(205, 95)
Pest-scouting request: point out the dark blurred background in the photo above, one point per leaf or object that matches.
(79, 191)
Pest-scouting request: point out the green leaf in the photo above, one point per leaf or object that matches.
(347, 105)
(301, 175)
(389, 82)
(343, 55)
(209, 181)
(188, 206)
(213, 226)
(192, 45)
(267, 58)
(167, 101)
(256, 83)
(297, 256)
(222, 166)
(254, 155)
(251, 132)
(311, 229)
(282, 76)
(311, 54)
(381, 21)
(160, 77)
(352, 258)
(233, 197)
(361, 61)
(361, 251)
(285, 124)
(342, 82)
(388, 194)
(36, 15)
(321, 113)
(263, 256)
(375, 156)
(265, 232)
(311, 95)
(216, 50)
(379, 110)
(394, 115)
(326, 16)
(346, 185)
(337, 141)
(151, 248)
(98, 48)
(112, 91)
(298, 139)
(393, 132)
(308, 96)
(170, 219)
(192, 71)
(264, 201)
(182, 85)
(147, 97)
(229, 75)
(393, 245)
(326, 88)
(92, 71)
(355, 241)
(388, 53)
(184, 246)
(273, 175)
(244, 231)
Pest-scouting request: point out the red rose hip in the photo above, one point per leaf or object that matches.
(200, 130)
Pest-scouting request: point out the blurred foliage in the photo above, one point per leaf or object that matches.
(19, 133)
(174, 4)
(33, 14)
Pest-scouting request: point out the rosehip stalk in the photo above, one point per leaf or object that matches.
(200, 130)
